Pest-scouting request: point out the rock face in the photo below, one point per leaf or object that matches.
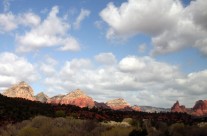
(118, 104)
(200, 108)
(78, 98)
(177, 108)
(21, 90)
(101, 105)
(42, 97)
(55, 99)
(136, 108)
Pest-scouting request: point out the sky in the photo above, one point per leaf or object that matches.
(149, 52)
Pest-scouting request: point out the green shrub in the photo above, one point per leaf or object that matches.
(29, 131)
(117, 131)
(60, 113)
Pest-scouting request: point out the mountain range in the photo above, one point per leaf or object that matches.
(79, 98)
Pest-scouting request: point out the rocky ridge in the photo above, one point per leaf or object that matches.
(55, 99)
(178, 108)
(21, 90)
(200, 108)
(42, 97)
(78, 98)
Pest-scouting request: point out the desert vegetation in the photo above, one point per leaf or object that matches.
(69, 126)
(20, 117)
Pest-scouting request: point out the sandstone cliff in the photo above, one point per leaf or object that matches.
(21, 90)
(42, 97)
(78, 98)
(117, 104)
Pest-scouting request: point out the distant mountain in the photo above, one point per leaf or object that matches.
(178, 108)
(55, 99)
(136, 108)
(200, 108)
(42, 97)
(151, 109)
(21, 90)
(78, 98)
(117, 104)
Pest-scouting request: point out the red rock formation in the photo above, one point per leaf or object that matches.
(177, 108)
(200, 108)
(21, 90)
(55, 99)
(117, 104)
(136, 108)
(78, 98)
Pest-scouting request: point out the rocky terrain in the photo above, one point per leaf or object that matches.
(42, 97)
(117, 104)
(200, 108)
(78, 98)
(21, 90)
(136, 108)
(178, 108)
(55, 99)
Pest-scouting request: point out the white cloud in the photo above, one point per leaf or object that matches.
(140, 16)
(10, 21)
(29, 19)
(170, 25)
(83, 14)
(140, 80)
(53, 31)
(106, 58)
(7, 22)
(194, 83)
(70, 44)
(14, 69)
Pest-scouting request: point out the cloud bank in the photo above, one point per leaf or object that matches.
(170, 25)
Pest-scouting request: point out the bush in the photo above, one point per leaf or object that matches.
(117, 131)
(29, 131)
(60, 113)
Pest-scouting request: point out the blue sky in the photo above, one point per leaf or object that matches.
(147, 52)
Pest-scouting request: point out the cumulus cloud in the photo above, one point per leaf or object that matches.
(49, 32)
(70, 44)
(10, 21)
(106, 58)
(29, 19)
(53, 31)
(140, 80)
(14, 69)
(7, 22)
(170, 25)
(47, 67)
(83, 14)
(138, 16)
